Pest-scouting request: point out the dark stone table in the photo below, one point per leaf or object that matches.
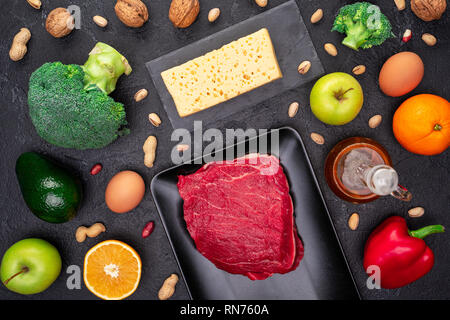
(426, 177)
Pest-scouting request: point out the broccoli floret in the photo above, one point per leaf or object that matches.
(364, 25)
(69, 105)
(104, 67)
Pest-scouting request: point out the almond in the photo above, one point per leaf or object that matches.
(317, 16)
(100, 21)
(317, 138)
(429, 39)
(375, 121)
(182, 147)
(213, 14)
(360, 69)
(353, 221)
(416, 212)
(330, 49)
(261, 3)
(293, 108)
(35, 3)
(140, 95)
(154, 119)
(401, 5)
(304, 67)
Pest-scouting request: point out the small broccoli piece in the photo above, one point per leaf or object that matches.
(364, 25)
(104, 67)
(69, 105)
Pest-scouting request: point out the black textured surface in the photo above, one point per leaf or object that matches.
(426, 177)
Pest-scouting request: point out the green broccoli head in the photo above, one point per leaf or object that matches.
(69, 104)
(364, 25)
(65, 114)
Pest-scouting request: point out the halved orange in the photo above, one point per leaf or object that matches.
(112, 270)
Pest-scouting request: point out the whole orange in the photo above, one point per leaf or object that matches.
(422, 124)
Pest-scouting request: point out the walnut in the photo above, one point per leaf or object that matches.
(133, 13)
(59, 22)
(428, 10)
(183, 13)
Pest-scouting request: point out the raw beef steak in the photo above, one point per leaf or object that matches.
(240, 215)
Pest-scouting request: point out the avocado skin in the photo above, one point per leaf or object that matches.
(51, 193)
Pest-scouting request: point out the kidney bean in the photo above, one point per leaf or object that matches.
(148, 229)
(96, 169)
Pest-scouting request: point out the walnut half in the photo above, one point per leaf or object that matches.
(59, 22)
(428, 10)
(133, 13)
(183, 13)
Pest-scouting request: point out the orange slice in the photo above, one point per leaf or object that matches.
(112, 270)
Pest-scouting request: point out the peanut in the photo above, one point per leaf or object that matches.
(91, 232)
(330, 49)
(35, 3)
(140, 95)
(317, 138)
(317, 16)
(100, 21)
(429, 39)
(19, 44)
(401, 5)
(213, 14)
(293, 109)
(150, 151)
(261, 3)
(416, 212)
(154, 119)
(375, 121)
(168, 288)
(359, 69)
(353, 221)
(304, 67)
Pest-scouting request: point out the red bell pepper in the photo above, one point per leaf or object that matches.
(401, 254)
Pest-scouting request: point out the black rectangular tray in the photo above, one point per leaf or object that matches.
(292, 45)
(323, 272)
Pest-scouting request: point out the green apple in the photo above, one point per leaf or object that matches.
(336, 98)
(30, 266)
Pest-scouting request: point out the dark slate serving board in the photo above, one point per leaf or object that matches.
(323, 271)
(292, 45)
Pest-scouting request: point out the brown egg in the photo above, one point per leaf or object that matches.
(124, 191)
(401, 74)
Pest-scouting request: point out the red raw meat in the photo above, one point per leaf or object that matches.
(240, 215)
